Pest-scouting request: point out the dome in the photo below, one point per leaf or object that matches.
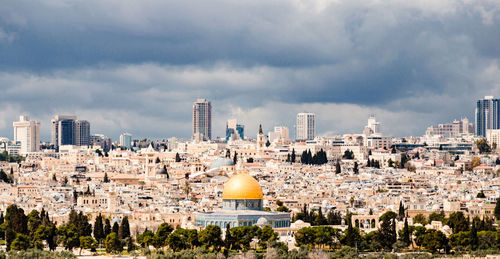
(242, 187)
(262, 222)
(161, 171)
(220, 162)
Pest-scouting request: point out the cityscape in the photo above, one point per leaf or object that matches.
(250, 129)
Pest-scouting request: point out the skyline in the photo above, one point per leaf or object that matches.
(138, 70)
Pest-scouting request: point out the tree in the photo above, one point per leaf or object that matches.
(177, 157)
(15, 222)
(333, 217)
(352, 236)
(4, 177)
(211, 237)
(115, 228)
(105, 179)
(162, 233)
(435, 240)
(388, 229)
(130, 245)
(338, 169)
(2, 231)
(113, 243)
(228, 239)
(497, 209)
(157, 161)
(33, 222)
(235, 157)
(437, 217)
(458, 222)
(124, 229)
(390, 163)
(268, 143)
(22, 242)
(99, 228)
(406, 233)
(146, 238)
(483, 146)
(475, 162)
(320, 220)
(401, 211)
(293, 155)
(355, 169)
(87, 242)
(348, 154)
(68, 236)
(474, 240)
(107, 227)
(481, 195)
(182, 239)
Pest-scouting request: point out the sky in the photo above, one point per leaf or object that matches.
(138, 66)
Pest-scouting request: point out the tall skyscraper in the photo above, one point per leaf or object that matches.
(487, 115)
(126, 140)
(305, 126)
(82, 133)
(67, 130)
(202, 119)
(28, 134)
(234, 130)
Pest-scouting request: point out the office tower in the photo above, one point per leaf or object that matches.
(487, 115)
(202, 119)
(82, 133)
(126, 140)
(102, 141)
(305, 126)
(373, 124)
(28, 134)
(62, 130)
(67, 130)
(279, 133)
(234, 130)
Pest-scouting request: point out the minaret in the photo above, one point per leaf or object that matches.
(150, 163)
(261, 142)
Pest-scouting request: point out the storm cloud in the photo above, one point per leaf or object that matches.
(138, 66)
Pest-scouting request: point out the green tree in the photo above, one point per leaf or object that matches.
(228, 239)
(182, 239)
(406, 233)
(458, 222)
(293, 157)
(124, 229)
(107, 227)
(333, 217)
(105, 179)
(401, 211)
(267, 235)
(87, 242)
(99, 229)
(33, 222)
(352, 236)
(68, 236)
(497, 209)
(146, 238)
(355, 169)
(211, 237)
(338, 168)
(437, 217)
(2, 231)
(113, 243)
(177, 157)
(15, 222)
(115, 228)
(483, 146)
(435, 240)
(162, 233)
(420, 218)
(22, 242)
(388, 229)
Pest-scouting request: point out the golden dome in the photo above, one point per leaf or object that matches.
(242, 187)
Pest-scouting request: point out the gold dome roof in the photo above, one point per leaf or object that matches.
(242, 187)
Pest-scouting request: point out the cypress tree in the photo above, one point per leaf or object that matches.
(293, 155)
(99, 228)
(406, 233)
(338, 169)
(124, 230)
(115, 228)
(107, 227)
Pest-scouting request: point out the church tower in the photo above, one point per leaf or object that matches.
(261, 139)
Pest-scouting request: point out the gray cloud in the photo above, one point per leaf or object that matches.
(139, 66)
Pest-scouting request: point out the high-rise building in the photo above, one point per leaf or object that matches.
(279, 133)
(28, 134)
(202, 119)
(67, 130)
(126, 140)
(305, 126)
(82, 133)
(102, 141)
(487, 115)
(234, 130)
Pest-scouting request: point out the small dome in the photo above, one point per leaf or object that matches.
(161, 171)
(220, 162)
(262, 222)
(242, 187)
